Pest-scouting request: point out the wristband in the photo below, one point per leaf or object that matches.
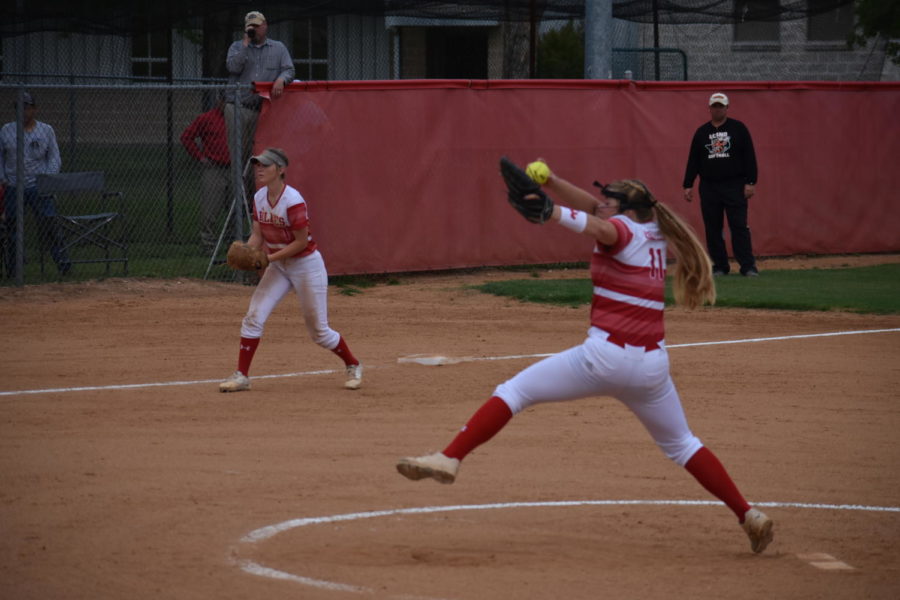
(573, 219)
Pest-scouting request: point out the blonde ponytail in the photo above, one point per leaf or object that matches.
(692, 282)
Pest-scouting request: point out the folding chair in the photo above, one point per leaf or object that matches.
(91, 220)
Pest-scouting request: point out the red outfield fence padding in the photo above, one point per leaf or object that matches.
(403, 176)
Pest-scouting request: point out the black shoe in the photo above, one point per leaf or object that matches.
(719, 273)
(750, 273)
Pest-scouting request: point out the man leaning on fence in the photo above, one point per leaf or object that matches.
(212, 154)
(41, 154)
(254, 57)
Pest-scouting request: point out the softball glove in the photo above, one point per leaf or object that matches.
(525, 194)
(246, 258)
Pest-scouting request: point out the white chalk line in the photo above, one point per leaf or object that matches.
(135, 386)
(785, 337)
(270, 531)
(253, 568)
(426, 360)
(452, 360)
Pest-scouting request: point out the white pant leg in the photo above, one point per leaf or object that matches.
(659, 410)
(557, 378)
(269, 291)
(309, 279)
(639, 379)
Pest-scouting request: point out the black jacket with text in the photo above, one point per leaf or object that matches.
(721, 153)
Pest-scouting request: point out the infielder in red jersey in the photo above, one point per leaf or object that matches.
(281, 228)
(624, 355)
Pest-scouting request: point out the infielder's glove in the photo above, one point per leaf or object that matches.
(525, 194)
(246, 258)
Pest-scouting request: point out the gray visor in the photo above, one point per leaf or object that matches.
(270, 156)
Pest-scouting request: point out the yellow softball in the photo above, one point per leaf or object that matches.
(538, 171)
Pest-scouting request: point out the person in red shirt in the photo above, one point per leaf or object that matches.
(212, 154)
(624, 355)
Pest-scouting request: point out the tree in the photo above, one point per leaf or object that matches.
(561, 53)
(878, 18)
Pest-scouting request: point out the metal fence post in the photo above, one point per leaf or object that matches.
(20, 187)
(237, 169)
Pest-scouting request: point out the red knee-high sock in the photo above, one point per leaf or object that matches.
(484, 424)
(343, 351)
(707, 469)
(245, 357)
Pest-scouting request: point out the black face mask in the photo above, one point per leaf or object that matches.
(624, 204)
(610, 194)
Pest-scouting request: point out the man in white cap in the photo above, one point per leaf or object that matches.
(722, 155)
(254, 57)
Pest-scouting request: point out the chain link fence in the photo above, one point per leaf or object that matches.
(120, 94)
(174, 216)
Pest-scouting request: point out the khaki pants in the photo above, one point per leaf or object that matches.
(247, 128)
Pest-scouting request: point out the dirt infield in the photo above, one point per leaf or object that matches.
(124, 473)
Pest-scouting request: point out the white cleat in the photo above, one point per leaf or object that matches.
(759, 529)
(237, 382)
(354, 377)
(439, 467)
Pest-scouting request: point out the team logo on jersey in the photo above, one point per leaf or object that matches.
(719, 145)
(267, 218)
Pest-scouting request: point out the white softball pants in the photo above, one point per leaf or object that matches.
(638, 379)
(309, 280)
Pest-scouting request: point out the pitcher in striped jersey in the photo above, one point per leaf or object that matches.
(624, 354)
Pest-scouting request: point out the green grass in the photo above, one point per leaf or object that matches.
(874, 289)
(561, 292)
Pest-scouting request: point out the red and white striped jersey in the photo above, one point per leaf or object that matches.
(278, 223)
(629, 283)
